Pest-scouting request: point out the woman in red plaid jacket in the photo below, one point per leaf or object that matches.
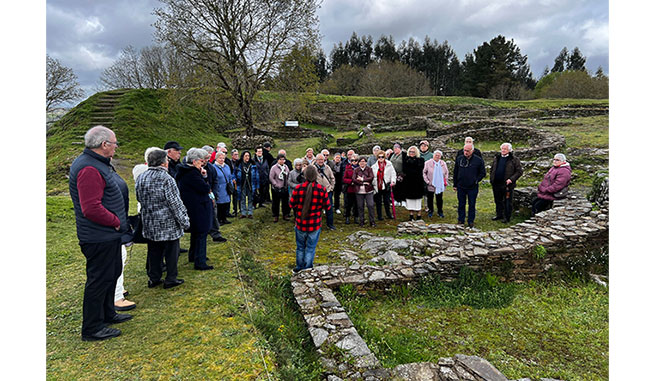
(308, 212)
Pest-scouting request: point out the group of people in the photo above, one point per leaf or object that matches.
(194, 193)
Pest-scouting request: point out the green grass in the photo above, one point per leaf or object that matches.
(535, 330)
(203, 329)
(592, 131)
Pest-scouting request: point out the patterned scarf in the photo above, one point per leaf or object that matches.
(380, 176)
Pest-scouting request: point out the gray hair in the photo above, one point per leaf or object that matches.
(325, 152)
(156, 157)
(219, 153)
(509, 146)
(209, 149)
(437, 152)
(282, 152)
(148, 150)
(194, 154)
(97, 135)
(376, 148)
(560, 156)
(320, 155)
(469, 137)
(297, 161)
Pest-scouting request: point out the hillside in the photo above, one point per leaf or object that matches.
(145, 117)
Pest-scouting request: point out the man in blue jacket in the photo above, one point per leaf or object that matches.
(469, 171)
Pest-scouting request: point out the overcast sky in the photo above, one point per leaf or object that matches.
(89, 35)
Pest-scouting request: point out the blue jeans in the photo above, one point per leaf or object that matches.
(462, 196)
(306, 248)
(246, 202)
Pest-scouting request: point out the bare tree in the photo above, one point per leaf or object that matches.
(61, 84)
(240, 42)
(125, 72)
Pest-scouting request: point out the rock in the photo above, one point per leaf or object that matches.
(319, 336)
(377, 275)
(480, 368)
(420, 371)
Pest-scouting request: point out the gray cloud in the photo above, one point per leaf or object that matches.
(89, 35)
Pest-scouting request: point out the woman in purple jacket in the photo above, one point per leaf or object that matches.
(557, 178)
(363, 183)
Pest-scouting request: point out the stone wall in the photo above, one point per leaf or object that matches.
(569, 229)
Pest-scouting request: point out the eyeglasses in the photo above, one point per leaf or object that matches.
(380, 157)
(116, 142)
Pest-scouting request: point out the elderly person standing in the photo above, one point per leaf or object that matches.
(263, 194)
(326, 178)
(350, 189)
(551, 187)
(385, 178)
(435, 175)
(308, 201)
(212, 180)
(233, 162)
(373, 158)
(338, 181)
(505, 170)
(296, 176)
(413, 169)
(225, 177)
(279, 179)
(194, 191)
(164, 219)
(396, 160)
(469, 140)
(363, 182)
(101, 222)
(309, 155)
(247, 184)
(174, 151)
(468, 172)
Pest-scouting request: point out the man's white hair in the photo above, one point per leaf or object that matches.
(509, 146)
(194, 154)
(97, 135)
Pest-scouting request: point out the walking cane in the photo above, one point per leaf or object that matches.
(393, 203)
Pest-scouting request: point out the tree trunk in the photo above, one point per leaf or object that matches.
(246, 117)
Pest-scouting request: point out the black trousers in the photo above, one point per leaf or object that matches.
(163, 249)
(540, 204)
(280, 197)
(503, 202)
(337, 190)
(383, 196)
(431, 197)
(221, 210)
(351, 205)
(235, 203)
(103, 268)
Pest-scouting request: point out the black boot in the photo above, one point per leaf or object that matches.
(347, 220)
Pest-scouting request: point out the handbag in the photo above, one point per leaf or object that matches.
(562, 193)
(137, 228)
(229, 187)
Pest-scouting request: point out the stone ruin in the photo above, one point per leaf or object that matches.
(569, 230)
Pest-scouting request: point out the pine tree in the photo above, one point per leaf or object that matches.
(561, 59)
(576, 61)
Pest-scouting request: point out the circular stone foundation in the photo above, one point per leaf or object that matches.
(541, 143)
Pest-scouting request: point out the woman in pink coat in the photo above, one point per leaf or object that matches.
(557, 178)
(435, 175)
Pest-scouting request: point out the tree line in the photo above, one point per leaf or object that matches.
(243, 46)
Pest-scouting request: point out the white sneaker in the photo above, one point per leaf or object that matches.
(338, 211)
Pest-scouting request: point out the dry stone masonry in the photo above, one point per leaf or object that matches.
(569, 229)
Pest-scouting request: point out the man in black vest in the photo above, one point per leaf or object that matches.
(101, 221)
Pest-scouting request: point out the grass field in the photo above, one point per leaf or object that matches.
(240, 321)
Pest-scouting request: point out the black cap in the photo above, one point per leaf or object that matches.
(173, 144)
(267, 145)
